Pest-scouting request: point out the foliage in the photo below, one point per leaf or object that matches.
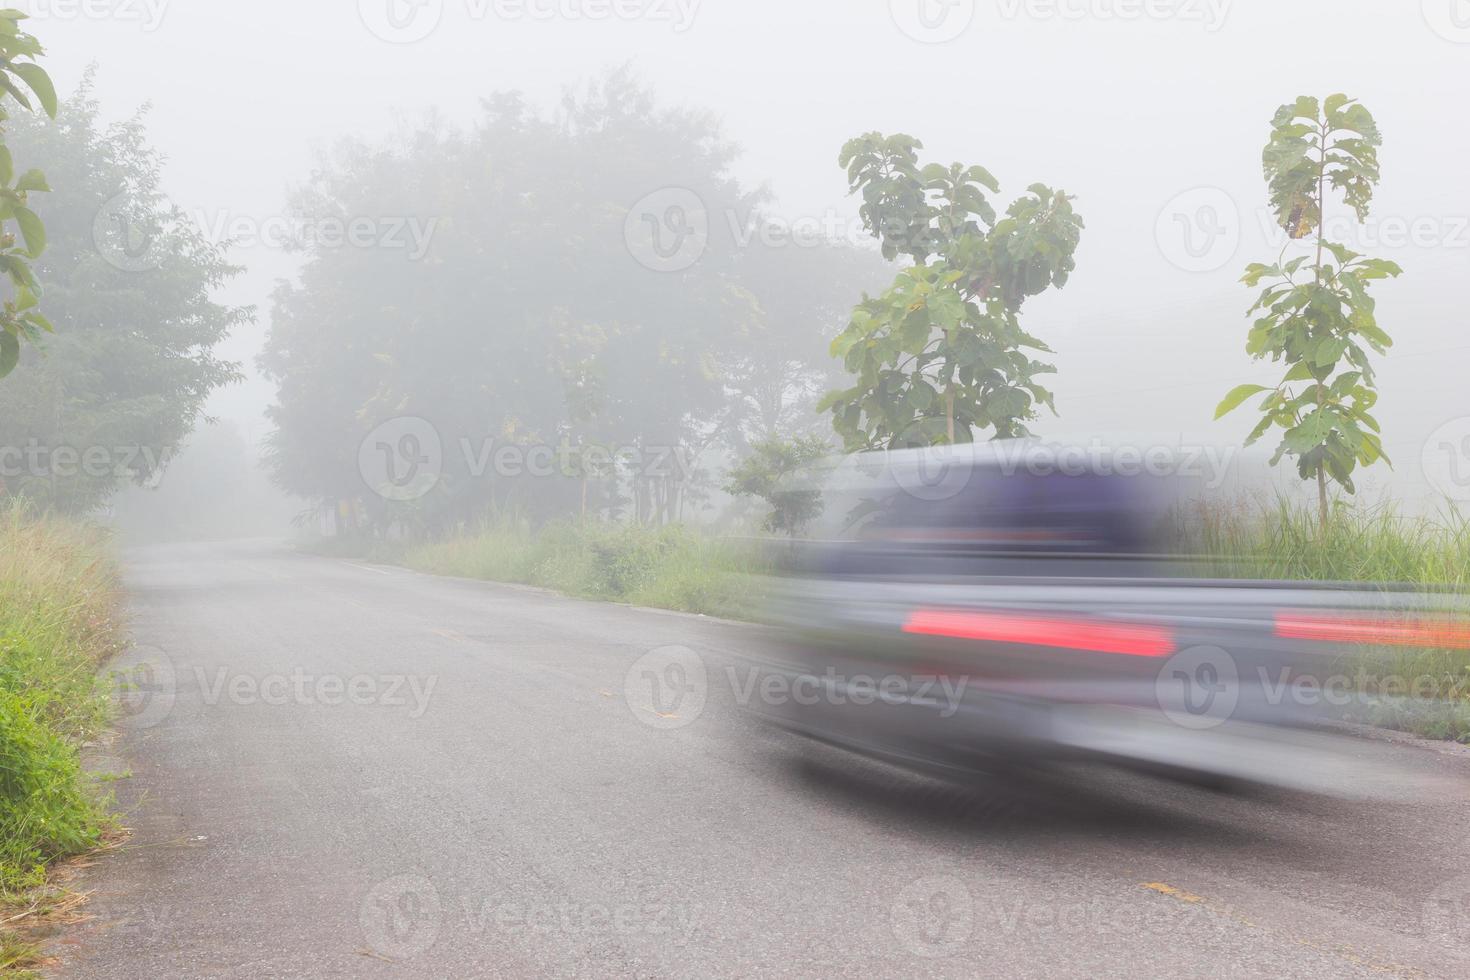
(20, 318)
(1315, 315)
(670, 568)
(128, 283)
(942, 352)
(1364, 545)
(767, 473)
(57, 623)
(528, 322)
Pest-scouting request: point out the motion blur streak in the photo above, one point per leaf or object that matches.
(1072, 634)
(1441, 634)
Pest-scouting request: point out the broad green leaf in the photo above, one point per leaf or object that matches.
(32, 180)
(1237, 395)
(39, 82)
(9, 352)
(34, 231)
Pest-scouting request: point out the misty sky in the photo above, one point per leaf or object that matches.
(1126, 103)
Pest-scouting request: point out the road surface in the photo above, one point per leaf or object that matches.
(359, 771)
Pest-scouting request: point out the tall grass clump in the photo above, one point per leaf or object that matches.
(1425, 691)
(57, 624)
(1369, 544)
(670, 567)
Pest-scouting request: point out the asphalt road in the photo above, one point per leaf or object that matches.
(360, 772)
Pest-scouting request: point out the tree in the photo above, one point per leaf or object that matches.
(529, 321)
(942, 352)
(803, 296)
(20, 317)
(768, 474)
(1316, 316)
(110, 396)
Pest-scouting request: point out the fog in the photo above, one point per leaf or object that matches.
(1152, 114)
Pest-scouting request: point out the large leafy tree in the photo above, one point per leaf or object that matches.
(128, 282)
(942, 353)
(529, 321)
(1315, 315)
(20, 316)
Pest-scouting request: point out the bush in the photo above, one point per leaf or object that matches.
(57, 623)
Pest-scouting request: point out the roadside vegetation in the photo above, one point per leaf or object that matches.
(665, 568)
(1423, 691)
(58, 622)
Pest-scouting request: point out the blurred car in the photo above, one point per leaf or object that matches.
(968, 609)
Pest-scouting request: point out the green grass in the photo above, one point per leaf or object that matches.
(1426, 692)
(668, 568)
(1371, 544)
(57, 624)
(677, 568)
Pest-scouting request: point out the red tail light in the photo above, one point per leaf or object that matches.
(1447, 634)
(1093, 635)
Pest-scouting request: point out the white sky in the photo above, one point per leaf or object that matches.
(1125, 110)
